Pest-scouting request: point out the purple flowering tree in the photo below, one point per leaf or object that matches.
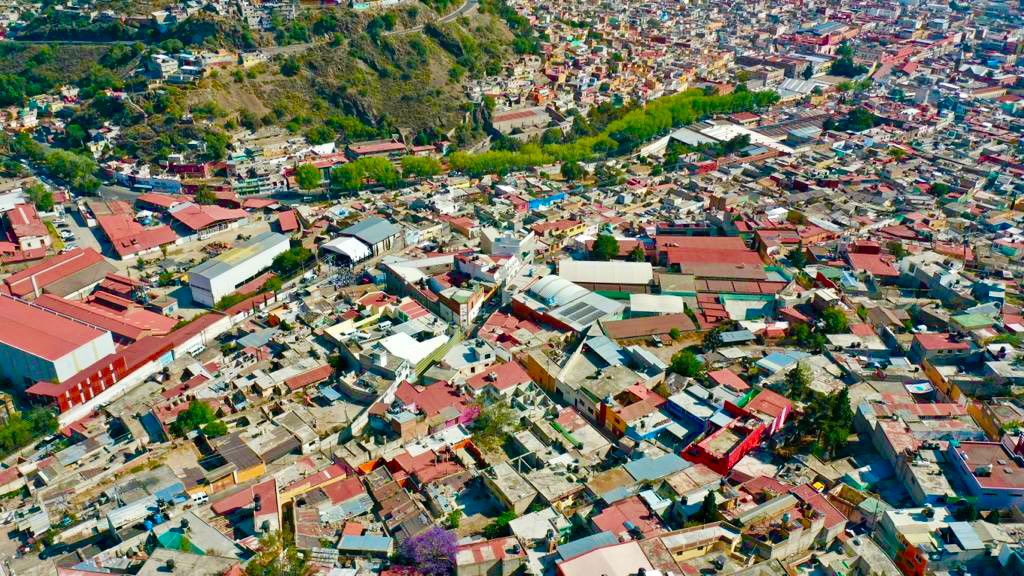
(432, 552)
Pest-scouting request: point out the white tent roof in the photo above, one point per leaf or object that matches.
(348, 246)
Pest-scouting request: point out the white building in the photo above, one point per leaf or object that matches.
(220, 276)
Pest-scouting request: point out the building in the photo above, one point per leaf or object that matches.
(37, 345)
(498, 557)
(941, 348)
(67, 274)
(378, 234)
(992, 472)
(615, 276)
(27, 229)
(222, 275)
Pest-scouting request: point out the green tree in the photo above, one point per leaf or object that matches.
(290, 67)
(216, 145)
(686, 363)
(308, 177)
(675, 334)
(320, 134)
(276, 557)
(215, 429)
(708, 508)
(798, 381)
(808, 72)
(12, 90)
(493, 425)
(75, 135)
(499, 527)
(272, 284)
(40, 196)
(420, 167)
(192, 418)
(347, 177)
(605, 247)
(291, 261)
(452, 520)
(895, 247)
(205, 196)
(381, 171)
(713, 339)
(835, 321)
(797, 257)
(572, 171)
(638, 254)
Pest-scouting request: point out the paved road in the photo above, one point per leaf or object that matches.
(116, 192)
(466, 7)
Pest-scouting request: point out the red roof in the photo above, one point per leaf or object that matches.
(433, 398)
(613, 518)
(500, 377)
(258, 203)
(729, 379)
(344, 490)
(51, 270)
(39, 332)
(129, 237)
(245, 497)
(377, 148)
(1007, 472)
(199, 217)
(162, 200)
(132, 323)
(309, 377)
(488, 551)
(819, 503)
(877, 264)
(287, 221)
(941, 342)
(321, 477)
(25, 221)
(770, 403)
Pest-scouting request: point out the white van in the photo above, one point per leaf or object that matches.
(200, 498)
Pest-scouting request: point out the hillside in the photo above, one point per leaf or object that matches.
(371, 77)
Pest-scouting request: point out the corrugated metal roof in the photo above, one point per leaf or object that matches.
(372, 230)
(227, 261)
(583, 545)
(654, 468)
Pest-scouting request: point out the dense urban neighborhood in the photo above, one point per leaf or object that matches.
(506, 287)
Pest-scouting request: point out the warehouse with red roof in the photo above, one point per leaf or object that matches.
(39, 345)
(67, 274)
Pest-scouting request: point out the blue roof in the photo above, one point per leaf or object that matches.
(615, 494)
(654, 468)
(583, 545)
(330, 393)
(372, 230)
(258, 338)
(737, 336)
(369, 543)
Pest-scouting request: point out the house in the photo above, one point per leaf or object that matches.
(940, 349)
(992, 472)
(498, 557)
(26, 229)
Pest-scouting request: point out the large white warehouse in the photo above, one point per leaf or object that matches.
(220, 276)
